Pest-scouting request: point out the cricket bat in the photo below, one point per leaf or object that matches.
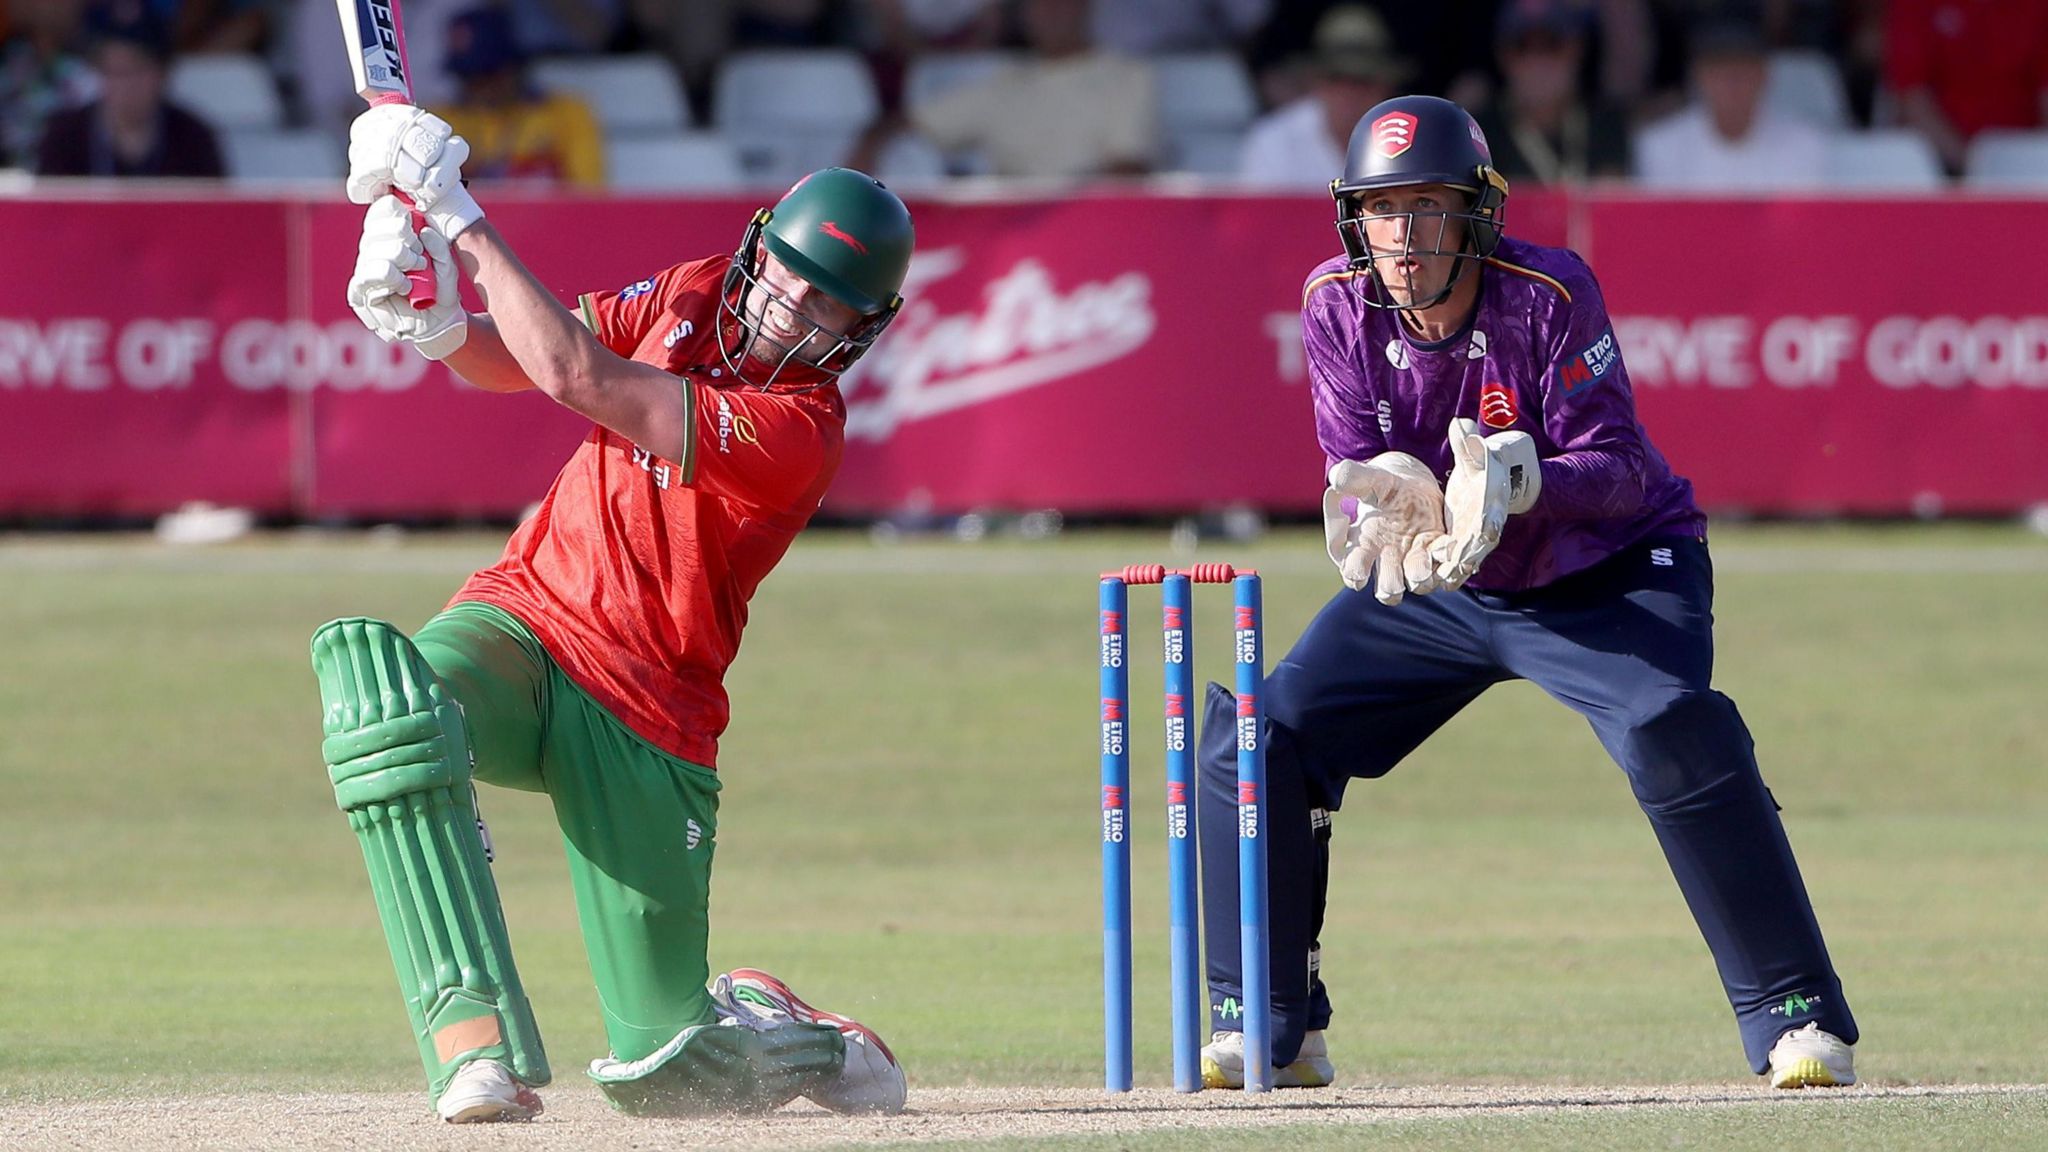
(375, 36)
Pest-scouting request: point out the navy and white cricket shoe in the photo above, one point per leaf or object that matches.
(1223, 1063)
(1810, 1058)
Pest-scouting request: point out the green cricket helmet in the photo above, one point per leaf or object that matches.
(845, 234)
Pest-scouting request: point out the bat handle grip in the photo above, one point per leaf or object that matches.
(421, 294)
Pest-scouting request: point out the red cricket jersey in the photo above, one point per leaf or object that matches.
(636, 571)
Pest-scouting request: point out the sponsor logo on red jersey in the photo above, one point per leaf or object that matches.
(1393, 134)
(1497, 408)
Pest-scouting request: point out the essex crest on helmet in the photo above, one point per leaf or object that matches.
(1415, 140)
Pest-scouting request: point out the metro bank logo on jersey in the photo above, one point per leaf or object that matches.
(1590, 366)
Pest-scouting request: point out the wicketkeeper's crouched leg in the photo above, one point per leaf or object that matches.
(398, 756)
(1298, 869)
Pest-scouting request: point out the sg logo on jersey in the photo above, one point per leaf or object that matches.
(1590, 366)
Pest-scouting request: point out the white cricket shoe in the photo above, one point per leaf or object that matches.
(1810, 1058)
(1223, 1063)
(872, 1080)
(485, 1090)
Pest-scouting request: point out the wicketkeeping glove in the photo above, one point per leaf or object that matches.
(377, 289)
(1492, 477)
(397, 147)
(1400, 516)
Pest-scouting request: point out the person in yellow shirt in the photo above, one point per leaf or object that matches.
(515, 131)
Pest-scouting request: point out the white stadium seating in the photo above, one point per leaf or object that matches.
(290, 157)
(1809, 86)
(791, 111)
(2008, 161)
(229, 91)
(631, 94)
(1206, 101)
(678, 161)
(1884, 160)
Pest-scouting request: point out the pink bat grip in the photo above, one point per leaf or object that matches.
(421, 295)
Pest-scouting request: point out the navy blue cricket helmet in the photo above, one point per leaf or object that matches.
(1413, 140)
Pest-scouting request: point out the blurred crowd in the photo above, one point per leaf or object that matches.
(1687, 95)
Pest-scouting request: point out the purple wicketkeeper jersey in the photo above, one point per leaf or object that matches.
(1537, 356)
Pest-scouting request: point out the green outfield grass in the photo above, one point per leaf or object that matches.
(909, 830)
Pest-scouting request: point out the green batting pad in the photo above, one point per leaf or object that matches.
(398, 756)
(723, 1068)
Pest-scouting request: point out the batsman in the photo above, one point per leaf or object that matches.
(588, 663)
(1497, 512)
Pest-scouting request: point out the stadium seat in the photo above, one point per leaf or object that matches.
(1203, 91)
(295, 157)
(909, 161)
(230, 91)
(1888, 160)
(933, 75)
(791, 111)
(1808, 85)
(1205, 152)
(2008, 160)
(626, 93)
(1205, 102)
(672, 162)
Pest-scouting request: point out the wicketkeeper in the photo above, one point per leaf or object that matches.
(588, 662)
(1498, 513)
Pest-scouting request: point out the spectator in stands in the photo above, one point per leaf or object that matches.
(1539, 127)
(514, 131)
(1446, 39)
(1068, 111)
(216, 25)
(131, 130)
(1959, 68)
(566, 27)
(900, 31)
(1151, 27)
(1726, 139)
(43, 70)
(1301, 145)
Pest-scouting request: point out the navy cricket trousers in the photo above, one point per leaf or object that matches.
(1628, 644)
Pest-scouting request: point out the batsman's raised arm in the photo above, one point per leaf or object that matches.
(562, 357)
(530, 340)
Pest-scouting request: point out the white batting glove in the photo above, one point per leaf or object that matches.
(1492, 478)
(377, 289)
(1400, 517)
(397, 147)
